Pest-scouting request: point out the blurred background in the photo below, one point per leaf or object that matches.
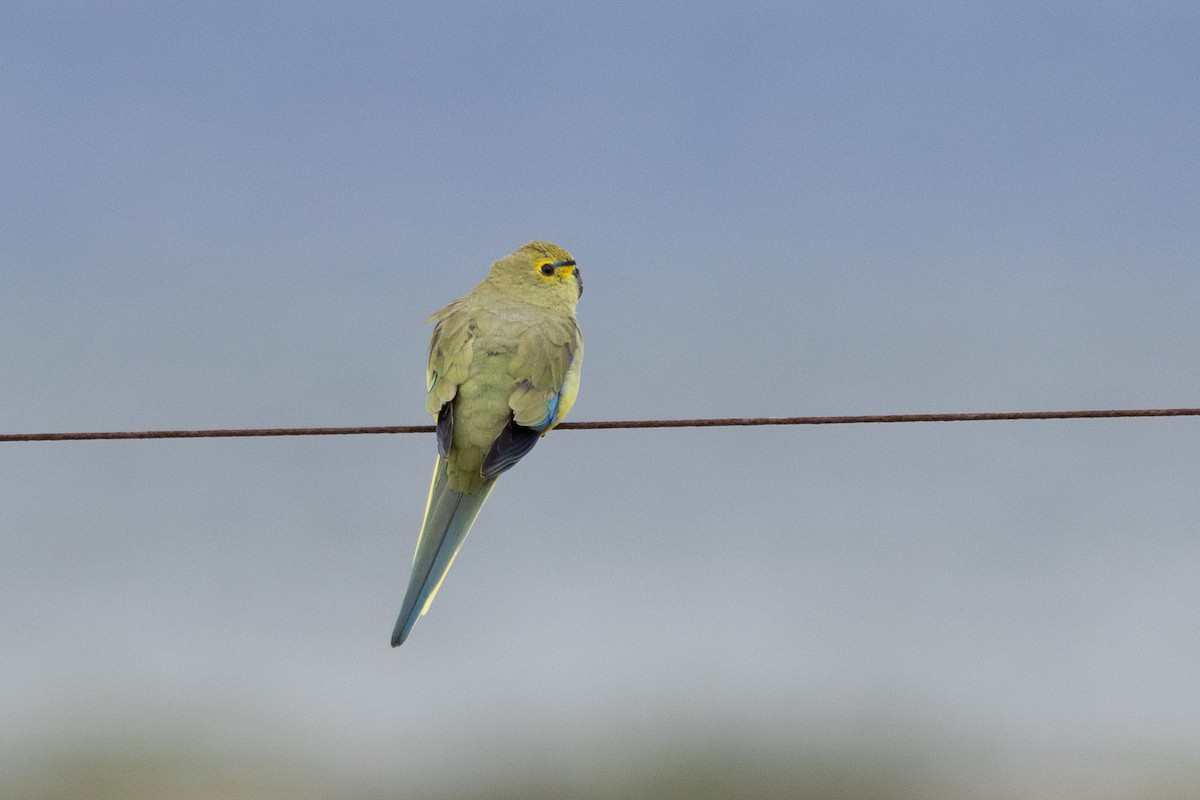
(241, 214)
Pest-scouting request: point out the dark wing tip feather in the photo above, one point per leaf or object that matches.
(445, 429)
(508, 448)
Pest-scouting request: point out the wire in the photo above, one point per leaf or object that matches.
(721, 422)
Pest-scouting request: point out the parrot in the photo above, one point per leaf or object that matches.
(504, 365)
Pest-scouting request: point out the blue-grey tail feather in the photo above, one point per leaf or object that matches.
(449, 516)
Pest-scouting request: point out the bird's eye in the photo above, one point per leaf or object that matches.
(547, 270)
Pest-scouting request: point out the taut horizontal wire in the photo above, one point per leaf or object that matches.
(721, 422)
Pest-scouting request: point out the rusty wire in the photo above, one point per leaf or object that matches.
(721, 422)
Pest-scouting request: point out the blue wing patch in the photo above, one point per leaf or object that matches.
(551, 414)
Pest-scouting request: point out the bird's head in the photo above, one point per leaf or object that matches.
(542, 273)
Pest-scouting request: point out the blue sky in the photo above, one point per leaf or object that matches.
(242, 214)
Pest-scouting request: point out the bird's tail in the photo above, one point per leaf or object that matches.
(449, 515)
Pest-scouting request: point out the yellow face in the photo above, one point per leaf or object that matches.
(560, 270)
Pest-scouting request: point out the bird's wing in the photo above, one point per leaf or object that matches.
(545, 374)
(450, 352)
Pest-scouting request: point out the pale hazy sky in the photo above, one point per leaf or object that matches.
(241, 214)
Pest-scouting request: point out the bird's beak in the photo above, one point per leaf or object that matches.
(579, 280)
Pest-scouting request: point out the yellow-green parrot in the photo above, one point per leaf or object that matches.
(503, 370)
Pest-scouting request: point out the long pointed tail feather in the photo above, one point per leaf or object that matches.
(449, 515)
